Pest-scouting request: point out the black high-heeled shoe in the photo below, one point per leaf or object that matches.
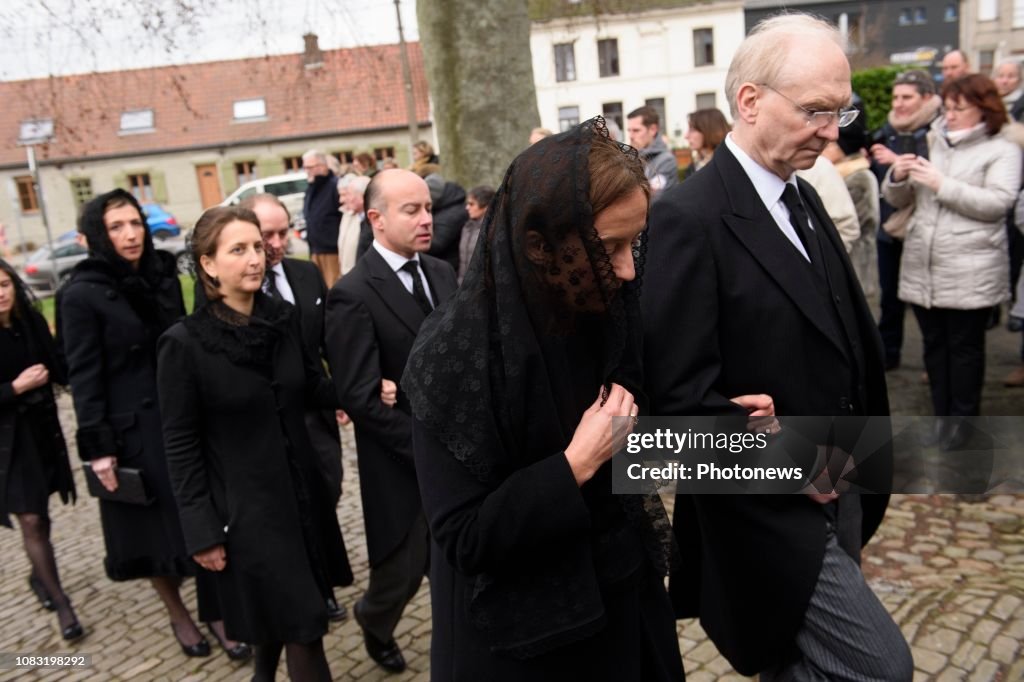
(73, 631)
(239, 652)
(198, 650)
(45, 600)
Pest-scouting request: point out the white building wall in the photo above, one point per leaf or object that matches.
(656, 60)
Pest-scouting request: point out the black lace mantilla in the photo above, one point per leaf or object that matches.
(243, 339)
(485, 375)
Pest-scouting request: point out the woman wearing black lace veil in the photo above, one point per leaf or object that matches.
(539, 572)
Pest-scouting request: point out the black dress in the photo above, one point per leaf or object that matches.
(234, 392)
(33, 456)
(532, 576)
(109, 339)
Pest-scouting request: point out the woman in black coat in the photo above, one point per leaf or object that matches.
(33, 457)
(234, 382)
(111, 312)
(538, 571)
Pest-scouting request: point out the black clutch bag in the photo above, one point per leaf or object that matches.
(131, 487)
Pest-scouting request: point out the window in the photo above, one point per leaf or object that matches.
(1018, 13)
(381, 153)
(952, 12)
(986, 60)
(140, 121)
(245, 171)
(612, 111)
(906, 17)
(568, 117)
(293, 163)
(706, 100)
(140, 186)
(345, 156)
(920, 15)
(703, 47)
(281, 189)
(27, 194)
(608, 57)
(250, 109)
(988, 10)
(849, 24)
(658, 104)
(81, 190)
(565, 62)
(35, 130)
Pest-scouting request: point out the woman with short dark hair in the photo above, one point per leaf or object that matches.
(33, 457)
(706, 130)
(234, 381)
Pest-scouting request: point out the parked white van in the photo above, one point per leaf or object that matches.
(290, 188)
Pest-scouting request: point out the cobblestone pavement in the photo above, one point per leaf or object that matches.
(950, 572)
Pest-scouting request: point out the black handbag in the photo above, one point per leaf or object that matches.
(131, 487)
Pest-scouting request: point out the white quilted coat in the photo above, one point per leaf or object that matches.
(954, 254)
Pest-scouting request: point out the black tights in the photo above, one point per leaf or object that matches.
(306, 662)
(35, 535)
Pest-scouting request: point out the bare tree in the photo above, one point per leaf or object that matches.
(477, 54)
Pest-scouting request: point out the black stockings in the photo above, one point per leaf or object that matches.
(306, 662)
(35, 535)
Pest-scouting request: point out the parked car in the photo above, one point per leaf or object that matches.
(290, 188)
(38, 272)
(162, 225)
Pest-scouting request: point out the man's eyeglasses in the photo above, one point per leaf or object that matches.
(821, 119)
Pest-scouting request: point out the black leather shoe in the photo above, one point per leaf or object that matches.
(937, 434)
(386, 654)
(239, 652)
(959, 436)
(336, 612)
(45, 600)
(197, 650)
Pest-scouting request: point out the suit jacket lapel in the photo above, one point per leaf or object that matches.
(757, 230)
(440, 286)
(392, 292)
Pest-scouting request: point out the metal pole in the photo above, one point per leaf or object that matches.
(410, 101)
(34, 169)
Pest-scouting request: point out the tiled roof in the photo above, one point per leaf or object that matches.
(355, 89)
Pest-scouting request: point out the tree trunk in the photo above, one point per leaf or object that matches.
(477, 57)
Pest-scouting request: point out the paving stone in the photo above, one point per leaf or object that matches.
(1005, 649)
(930, 662)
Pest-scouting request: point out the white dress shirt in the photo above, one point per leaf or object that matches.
(281, 282)
(396, 261)
(770, 187)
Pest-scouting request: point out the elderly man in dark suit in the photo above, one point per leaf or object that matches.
(373, 315)
(748, 289)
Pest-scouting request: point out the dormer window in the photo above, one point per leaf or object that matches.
(35, 131)
(250, 109)
(138, 121)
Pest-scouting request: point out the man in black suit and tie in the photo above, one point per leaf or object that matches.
(748, 290)
(373, 315)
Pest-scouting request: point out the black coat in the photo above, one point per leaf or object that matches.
(29, 427)
(372, 321)
(310, 294)
(111, 356)
(244, 476)
(729, 309)
(323, 217)
(450, 215)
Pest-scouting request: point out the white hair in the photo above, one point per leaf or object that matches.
(315, 155)
(765, 52)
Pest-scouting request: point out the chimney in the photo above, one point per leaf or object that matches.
(312, 57)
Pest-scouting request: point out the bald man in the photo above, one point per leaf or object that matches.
(373, 315)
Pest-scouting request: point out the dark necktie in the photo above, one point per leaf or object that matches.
(798, 219)
(419, 294)
(270, 287)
